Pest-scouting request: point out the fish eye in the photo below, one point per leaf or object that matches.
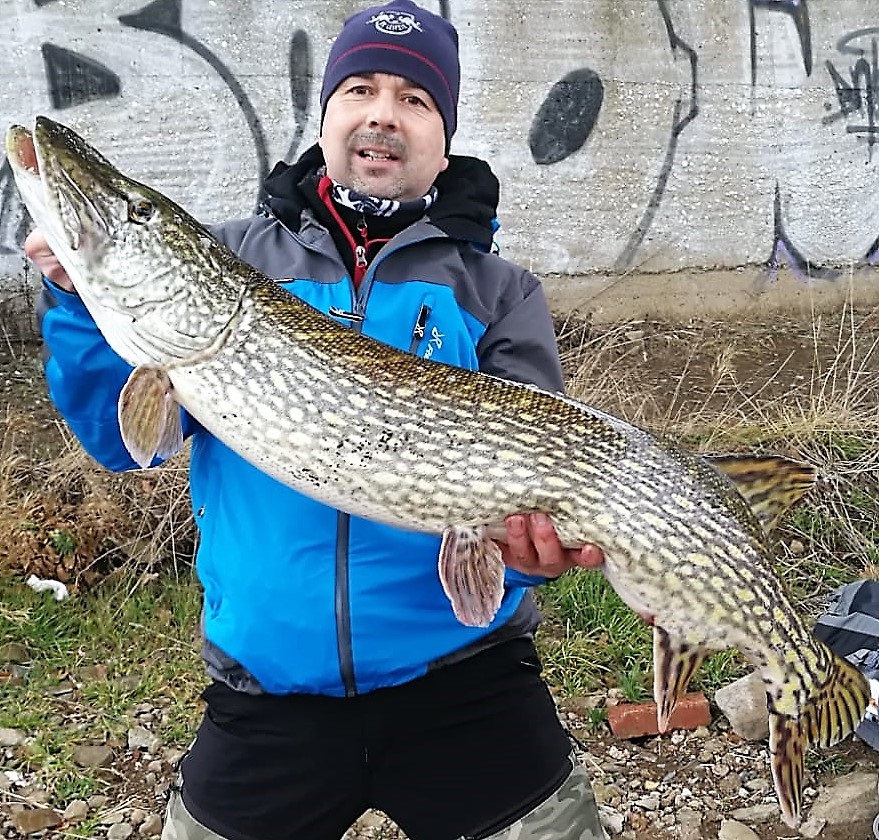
(140, 211)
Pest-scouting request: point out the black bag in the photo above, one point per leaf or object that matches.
(851, 628)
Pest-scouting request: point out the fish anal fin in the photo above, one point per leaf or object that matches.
(674, 663)
(769, 483)
(831, 713)
(149, 416)
(471, 571)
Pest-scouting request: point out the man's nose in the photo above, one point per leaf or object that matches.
(383, 110)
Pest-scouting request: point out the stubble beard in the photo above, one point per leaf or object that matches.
(393, 189)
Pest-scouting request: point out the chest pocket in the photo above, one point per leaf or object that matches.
(423, 319)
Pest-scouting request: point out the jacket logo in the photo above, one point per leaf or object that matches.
(435, 343)
(395, 23)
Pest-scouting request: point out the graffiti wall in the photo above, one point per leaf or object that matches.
(629, 135)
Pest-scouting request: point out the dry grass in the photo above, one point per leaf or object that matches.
(65, 517)
(809, 391)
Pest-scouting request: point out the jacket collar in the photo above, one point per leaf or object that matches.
(465, 209)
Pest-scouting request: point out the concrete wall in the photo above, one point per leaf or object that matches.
(636, 140)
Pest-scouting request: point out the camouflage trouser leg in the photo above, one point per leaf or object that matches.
(569, 814)
(181, 825)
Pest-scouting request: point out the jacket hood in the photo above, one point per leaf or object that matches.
(465, 209)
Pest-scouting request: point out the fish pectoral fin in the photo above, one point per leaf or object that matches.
(471, 571)
(769, 483)
(149, 416)
(831, 713)
(674, 663)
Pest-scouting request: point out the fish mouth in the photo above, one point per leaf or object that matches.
(61, 179)
(22, 156)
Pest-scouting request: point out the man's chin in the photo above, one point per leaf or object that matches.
(379, 187)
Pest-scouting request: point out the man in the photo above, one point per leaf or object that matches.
(341, 679)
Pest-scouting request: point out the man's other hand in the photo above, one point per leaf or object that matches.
(533, 548)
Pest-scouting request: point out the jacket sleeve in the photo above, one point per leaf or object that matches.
(520, 345)
(85, 376)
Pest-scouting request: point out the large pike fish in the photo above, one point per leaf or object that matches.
(423, 446)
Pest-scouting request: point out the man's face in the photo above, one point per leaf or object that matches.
(383, 135)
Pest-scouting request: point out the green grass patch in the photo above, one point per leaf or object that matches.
(90, 660)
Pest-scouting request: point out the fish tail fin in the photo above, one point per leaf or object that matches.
(831, 714)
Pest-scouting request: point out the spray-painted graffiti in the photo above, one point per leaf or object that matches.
(73, 78)
(858, 95)
(799, 13)
(627, 136)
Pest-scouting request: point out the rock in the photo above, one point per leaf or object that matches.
(76, 811)
(92, 673)
(732, 830)
(151, 826)
(97, 801)
(689, 824)
(140, 738)
(137, 816)
(744, 704)
(14, 652)
(113, 817)
(612, 820)
(11, 737)
(756, 813)
(88, 755)
(847, 799)
(32, 820)
(120, 831)
(812, 827)
(648, 803)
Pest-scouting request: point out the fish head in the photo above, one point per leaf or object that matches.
(137, 259)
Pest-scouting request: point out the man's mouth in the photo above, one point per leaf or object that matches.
(375, 154)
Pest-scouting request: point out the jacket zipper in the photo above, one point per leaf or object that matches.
(362, 287)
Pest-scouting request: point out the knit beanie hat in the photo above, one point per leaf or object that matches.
(402, 39)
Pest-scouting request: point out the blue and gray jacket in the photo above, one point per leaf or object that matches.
(298, 597)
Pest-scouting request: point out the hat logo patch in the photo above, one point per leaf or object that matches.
(395, 23)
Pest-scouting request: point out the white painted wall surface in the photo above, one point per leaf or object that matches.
(682, 148)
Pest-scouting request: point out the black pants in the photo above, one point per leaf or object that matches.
(463, 751)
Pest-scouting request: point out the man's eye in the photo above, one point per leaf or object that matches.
(416, 100)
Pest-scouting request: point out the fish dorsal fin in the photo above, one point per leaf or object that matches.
(769, 483)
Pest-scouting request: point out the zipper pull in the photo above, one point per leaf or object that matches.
(423, 315)
(418, 329)
(360, 250)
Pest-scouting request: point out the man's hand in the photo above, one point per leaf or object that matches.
(38, 251)
(533, 548)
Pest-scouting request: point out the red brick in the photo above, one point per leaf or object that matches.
(633, 720)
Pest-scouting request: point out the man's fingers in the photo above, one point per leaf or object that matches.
(590, 557)
(519, 545)
(546, 542)
(38, 251)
